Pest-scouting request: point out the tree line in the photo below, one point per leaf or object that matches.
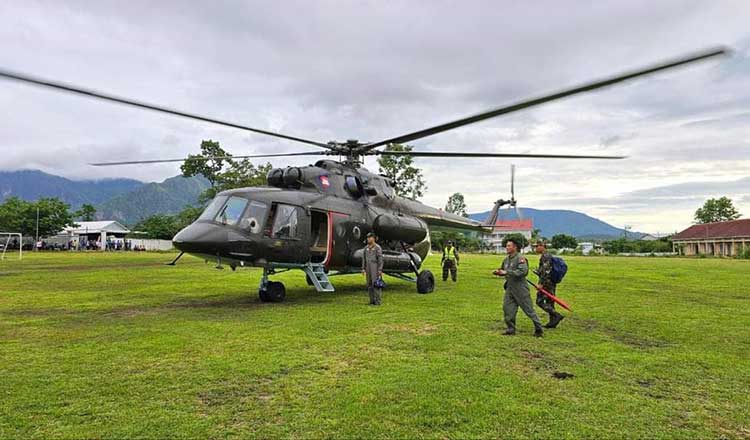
(224, 172)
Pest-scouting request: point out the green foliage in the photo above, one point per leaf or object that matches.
(519, 238)
(623, 245)
(18, 215)
(744, 253)
(463, 242)
(716, 210)
(158, 226)
(456, 205)
(222, 171)
(562, 241)
(208, 163)
(407, 179)
(239, 174)
(165, 227)
(87, 213)
(116, 345)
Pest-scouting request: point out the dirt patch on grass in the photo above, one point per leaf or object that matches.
(626, 338)
(562, 375)
(420, 329)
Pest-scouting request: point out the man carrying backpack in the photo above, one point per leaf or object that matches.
(548, 282)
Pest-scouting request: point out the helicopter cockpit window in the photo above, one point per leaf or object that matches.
(213, 208)
(231, 212)
(285, 222)
(253, 218)
(353, 187)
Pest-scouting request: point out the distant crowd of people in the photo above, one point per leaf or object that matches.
(117, 244)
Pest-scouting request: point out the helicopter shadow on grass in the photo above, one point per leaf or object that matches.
(296, 295)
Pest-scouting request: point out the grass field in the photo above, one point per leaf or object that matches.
(119, 345)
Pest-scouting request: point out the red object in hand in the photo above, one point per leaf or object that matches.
(554, 298)
(497, 272)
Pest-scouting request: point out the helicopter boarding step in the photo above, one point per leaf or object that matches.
(318, 276)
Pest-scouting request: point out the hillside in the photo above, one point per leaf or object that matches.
(561, 221)
(167, 197)
(34, 184)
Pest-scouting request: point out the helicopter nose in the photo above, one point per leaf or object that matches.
(200, 238)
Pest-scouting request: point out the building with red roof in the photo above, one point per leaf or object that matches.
(502, 228)
(719, 239)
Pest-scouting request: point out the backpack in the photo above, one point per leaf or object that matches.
(559, 269)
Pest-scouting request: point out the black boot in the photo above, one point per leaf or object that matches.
(555, 320)
(509, 332)
(538, 332)
(551, 319)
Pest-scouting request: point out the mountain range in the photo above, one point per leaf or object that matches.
(129, 201)
(125, 200)
(562, 221)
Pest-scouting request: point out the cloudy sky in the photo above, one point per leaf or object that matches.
(372, 70)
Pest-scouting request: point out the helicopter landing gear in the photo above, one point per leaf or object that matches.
(425, 282)
(274, 292)
(271, 291)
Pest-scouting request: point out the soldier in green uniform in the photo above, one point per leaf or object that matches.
(372, 268)
(515, 268)
(544, 272)
(450, 261)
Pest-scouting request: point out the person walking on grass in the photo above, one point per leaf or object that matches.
(372, 268)
(450, 261)
(544, 272)
(515, 268)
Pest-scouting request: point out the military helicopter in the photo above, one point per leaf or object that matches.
(315, 218)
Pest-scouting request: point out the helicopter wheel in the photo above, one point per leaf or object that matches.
(275, 292)
(425, 282)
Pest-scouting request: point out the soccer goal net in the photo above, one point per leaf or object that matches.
(11, 242)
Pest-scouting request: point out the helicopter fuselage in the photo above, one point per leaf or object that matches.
(317, 214)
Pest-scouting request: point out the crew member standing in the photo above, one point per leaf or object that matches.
(544, 272)
(450, 261)
(515, 268)
(372, 268)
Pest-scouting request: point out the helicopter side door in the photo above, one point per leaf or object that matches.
(338, 248)
(289, 228)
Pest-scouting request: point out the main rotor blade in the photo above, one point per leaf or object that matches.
(98, 95)
(698, 56)
(519, 155)
(138, 162)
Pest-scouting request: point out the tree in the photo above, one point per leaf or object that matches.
(87, 213)
(536, 235)
(716, 210)
(222, 171)
(187, 216)
(239, 174)
(564, 241)
(208, 163)
(456, 205)
(18, 215)
(407, 179)
(518, 238)
(159, 226)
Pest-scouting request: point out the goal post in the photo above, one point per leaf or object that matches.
(7, 242)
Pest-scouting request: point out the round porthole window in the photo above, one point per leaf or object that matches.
(356, 232)
(252, 224)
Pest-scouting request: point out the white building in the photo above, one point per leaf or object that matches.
(502, 228)
(85, 234)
